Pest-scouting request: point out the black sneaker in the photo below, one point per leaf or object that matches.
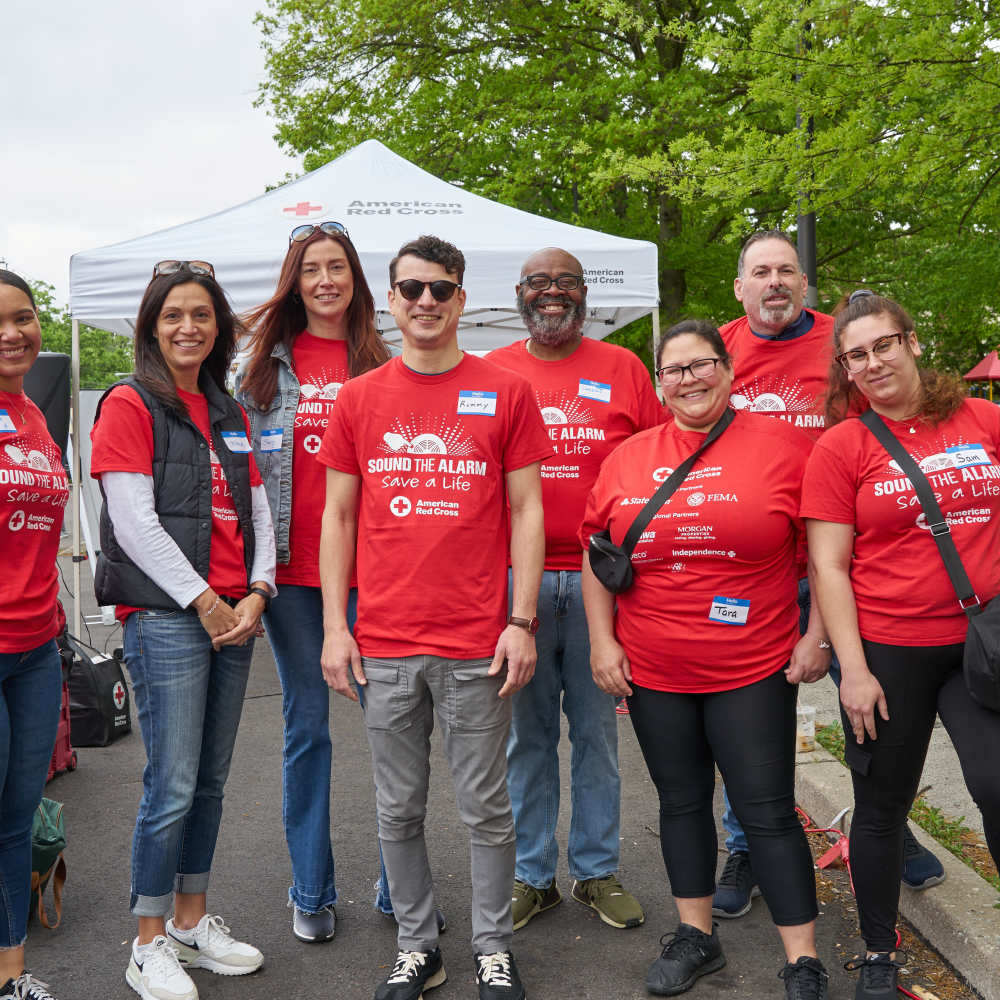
(687, 954)
(497, 977)
(921, 869)
(878, 977)
(805, 979)
(25, 987)
(737, 887)
(414, 972)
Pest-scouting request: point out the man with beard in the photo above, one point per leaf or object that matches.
(592, 396)
(781, 356)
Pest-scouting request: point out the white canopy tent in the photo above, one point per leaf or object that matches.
(384, 201)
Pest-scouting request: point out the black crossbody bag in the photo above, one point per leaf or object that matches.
(981, 662)
(612, 564)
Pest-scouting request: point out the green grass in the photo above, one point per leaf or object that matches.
(949, 833)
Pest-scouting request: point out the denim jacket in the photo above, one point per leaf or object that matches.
(275, 466)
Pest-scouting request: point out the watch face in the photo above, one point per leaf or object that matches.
(532, 626)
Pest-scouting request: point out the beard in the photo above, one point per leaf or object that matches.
(552, 330)
(778, 315)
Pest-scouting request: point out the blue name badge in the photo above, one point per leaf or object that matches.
(477, 401)
(270, 440)
(236, 441)
(6, 424)
(729, 610)
(968, 454)
(589, 389)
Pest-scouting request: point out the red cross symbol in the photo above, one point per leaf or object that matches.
(118, 694)
(303, 208)
(400, 506)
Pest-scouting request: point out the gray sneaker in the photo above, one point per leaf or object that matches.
(314, 928)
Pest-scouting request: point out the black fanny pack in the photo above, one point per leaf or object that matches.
(612, 564)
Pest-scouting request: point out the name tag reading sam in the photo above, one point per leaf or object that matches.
(6, 424)
(271, 440)
(729, 610)
(589, 389)
(236, 441)
(476, 401)
(968, 454)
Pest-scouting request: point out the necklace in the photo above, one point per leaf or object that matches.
(20, 412)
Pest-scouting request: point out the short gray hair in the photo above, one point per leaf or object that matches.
(763, 234)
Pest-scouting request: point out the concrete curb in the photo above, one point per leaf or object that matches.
(958, 916)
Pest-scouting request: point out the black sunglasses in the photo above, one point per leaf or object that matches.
(411, 289)
(173, 266)
(300, 233)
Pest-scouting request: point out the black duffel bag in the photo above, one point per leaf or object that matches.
(99, 703)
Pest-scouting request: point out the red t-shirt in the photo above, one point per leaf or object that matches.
(432, 452)
(713, 605)
(122, 441)
(590, 402)
(784, 378)
(321, 368)
(33, 497)
(902, 590)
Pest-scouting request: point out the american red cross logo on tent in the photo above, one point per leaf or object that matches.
(303, 208)
(118, 693)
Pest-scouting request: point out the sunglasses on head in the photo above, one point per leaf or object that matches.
(300, 233)
(173, 266)
(411, 289)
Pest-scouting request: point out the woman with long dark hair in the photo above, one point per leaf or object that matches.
(187, 555)
(316, 331)
(886, 597)
(32, 503)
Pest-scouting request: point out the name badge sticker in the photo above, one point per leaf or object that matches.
(6, 423)
(589, 389)
(270, 440)
(236, 441)
(477, 401)
(968, 454)
(729, 610)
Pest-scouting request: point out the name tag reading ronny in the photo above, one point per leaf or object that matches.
(729, 610)
(477, 401)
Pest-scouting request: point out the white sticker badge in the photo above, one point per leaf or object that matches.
(729, 610)
(270, 440)
(601, 391)
(968, 454)
(6, 424)
(236, 441)
(477, 401)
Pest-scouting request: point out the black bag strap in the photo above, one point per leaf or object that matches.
(668, 487)
(938, 524)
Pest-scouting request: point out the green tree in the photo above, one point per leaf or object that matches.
(684, 122)
(102, 355)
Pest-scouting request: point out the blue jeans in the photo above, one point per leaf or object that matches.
(30, 695)
(736, 839)
(294, 624)
(563, 672)
(189, 699)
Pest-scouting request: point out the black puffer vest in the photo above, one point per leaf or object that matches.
(182, 492)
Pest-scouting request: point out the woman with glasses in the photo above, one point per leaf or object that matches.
(187, 555)
(887, 600)
(705, 644)
(32, 503)
(311, 336)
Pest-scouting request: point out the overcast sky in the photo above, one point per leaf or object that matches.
(121, 118)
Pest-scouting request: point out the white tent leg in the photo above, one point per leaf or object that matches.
(75, 431)
(656, 344)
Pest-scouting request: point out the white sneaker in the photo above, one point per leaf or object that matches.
(156, 973)
(210, 946)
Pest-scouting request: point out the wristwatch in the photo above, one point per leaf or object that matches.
(261, 592)
(530, 625)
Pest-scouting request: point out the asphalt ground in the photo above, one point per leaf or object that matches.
(565, 953)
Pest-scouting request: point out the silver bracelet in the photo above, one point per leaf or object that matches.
(211, 610)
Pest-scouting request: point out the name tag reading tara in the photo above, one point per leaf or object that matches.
(729, 610)
(477, 401)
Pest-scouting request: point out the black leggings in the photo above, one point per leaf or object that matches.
(750, 733)
(919, 682)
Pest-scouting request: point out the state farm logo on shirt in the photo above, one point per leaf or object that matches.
(781, 396)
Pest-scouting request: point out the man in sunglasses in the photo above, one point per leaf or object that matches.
(592, 395)
(782, 354)
(424, 456)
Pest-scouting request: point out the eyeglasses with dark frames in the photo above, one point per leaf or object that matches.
(702, 368)
(173, 266)
(411, 289)
(542, 282)
(885, 349)
(301, 233)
